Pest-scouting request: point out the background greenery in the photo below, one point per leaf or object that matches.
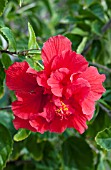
(87, 23)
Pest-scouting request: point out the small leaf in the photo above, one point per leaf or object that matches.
(79, 31)
(5, 146)
(2, 6)
(82, 45)
(9, 36)
(6, 61)
(21, 135)
(36, 57)
(103, 138)
(2, 76)
(32, 44)
(21, 2)
(88, 2)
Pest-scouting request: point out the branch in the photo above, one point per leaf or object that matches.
(100, 66)
(24, 53)
(106, 26)
(5, 108)
(105, 109)
(89, 43)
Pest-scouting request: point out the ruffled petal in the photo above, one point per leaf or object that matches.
(78, 122)
(18, 79)
(21, 123)
(95, 80)
(48, 112)
(42, 79)
(28, 104)
(40, 124)
(57, 81)
(71, 60)
(54, 46)
(88, 105)
(79, 89)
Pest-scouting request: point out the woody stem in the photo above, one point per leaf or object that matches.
(5, 108)
(19, 52)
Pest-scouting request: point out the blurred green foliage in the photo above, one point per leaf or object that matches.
(87, 23)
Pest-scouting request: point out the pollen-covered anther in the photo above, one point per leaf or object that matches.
(63, 110)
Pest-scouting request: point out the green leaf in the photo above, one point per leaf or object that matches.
(72, 38)
(103, 138)
(108, 2)
(32, 44)
(6, 119)
(96, 27)
(51, 156)
(17, 150)
(101, 165)
(5, 146)
(9, 36)
(2, 76)
(48, 6)
(97, 10)
(34, 64)
(34, 148)
(21, 134)
(6, 61)
(2, 6)
(1, 22)
(79, 31)
(100, 123)
(75, 150)
(82, 45)
(88, 2)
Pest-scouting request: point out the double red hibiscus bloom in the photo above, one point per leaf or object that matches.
(61, 96)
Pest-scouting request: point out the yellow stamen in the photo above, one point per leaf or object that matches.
(63, 110)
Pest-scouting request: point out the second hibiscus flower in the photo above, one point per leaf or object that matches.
(61, 96)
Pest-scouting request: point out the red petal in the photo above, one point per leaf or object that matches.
(20, 123)
(79, 89)
(27, 104)
(39, 124)
(31, 71)
(56, 81)
(54, 46)
(42, 79)
(58, 125)
(78, 122)
(95, 80)
(18, 79)
(71, 60)
(49, 111)
(88, 105)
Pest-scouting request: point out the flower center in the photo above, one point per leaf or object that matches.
(63, 110)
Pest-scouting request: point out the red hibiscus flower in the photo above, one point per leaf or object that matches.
(61, 96)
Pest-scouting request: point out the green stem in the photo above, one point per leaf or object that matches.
(40, 65)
